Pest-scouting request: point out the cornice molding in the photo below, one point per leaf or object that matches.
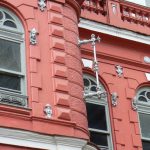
(136, 65)
(36, 140)
(114, 31)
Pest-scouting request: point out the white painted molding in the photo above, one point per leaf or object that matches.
(87, 63)
(147, 76)
(114, 31)
(41, 141)
(147, 59)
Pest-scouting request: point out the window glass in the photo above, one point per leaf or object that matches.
(98, 138)
(10, 82)
(8, 16)
(96, 116)
(146, 145)
(145, 124)
(10, 55)
(1, 15)
(10, 24)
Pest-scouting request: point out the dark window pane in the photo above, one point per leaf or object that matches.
(10, 24)
(93, 83)
(10, 82)
(96, 116)
(146, 145)
(93, 88)
(142, 93)
(142, 98)
(1, 15)
(145, 122)
(8, 16)
(86, 82)
(10, 55)
(148, 95)
(98, 138)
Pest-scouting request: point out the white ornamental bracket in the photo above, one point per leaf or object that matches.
(48, 111)
(134, 104)
(99, 91)
(42, 4)
(33, 36)
(114, 99)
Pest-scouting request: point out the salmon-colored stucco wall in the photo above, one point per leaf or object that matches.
(54, 74)
(53, 68)
(112, 51)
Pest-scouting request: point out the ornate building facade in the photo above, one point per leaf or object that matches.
(74, 75)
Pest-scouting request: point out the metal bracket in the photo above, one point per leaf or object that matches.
(93, 41)
(42, 4)
(99, 94)
(48, 111)
(114, 98)
(33, 34)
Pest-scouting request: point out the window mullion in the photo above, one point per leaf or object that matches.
(145, 139)
(11, 72)
(99, 131)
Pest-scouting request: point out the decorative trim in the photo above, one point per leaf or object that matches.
(39, 141)
(114, 8)
(33, 34)
(114, 31)
(96, 6)
(42, 4)
(147, 76)
(13, 99)
(48, 111)
(134, 104)
(119, 70)
(87, 63)
(114, 99)
(90, 88)
(147, 59)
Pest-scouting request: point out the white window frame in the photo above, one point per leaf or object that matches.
(15, 35)
(143, 108)
(102, 102)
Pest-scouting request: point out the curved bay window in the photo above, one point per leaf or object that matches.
(143, 102)
(98, 115)
(12, 60)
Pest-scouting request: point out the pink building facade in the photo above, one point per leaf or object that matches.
(54, 95)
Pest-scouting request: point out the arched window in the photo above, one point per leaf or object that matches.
(12, 60)
(98, 115)
(143, 105)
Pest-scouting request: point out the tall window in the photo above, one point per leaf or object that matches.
(12, 60)
(98, 116)
(143, 102)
